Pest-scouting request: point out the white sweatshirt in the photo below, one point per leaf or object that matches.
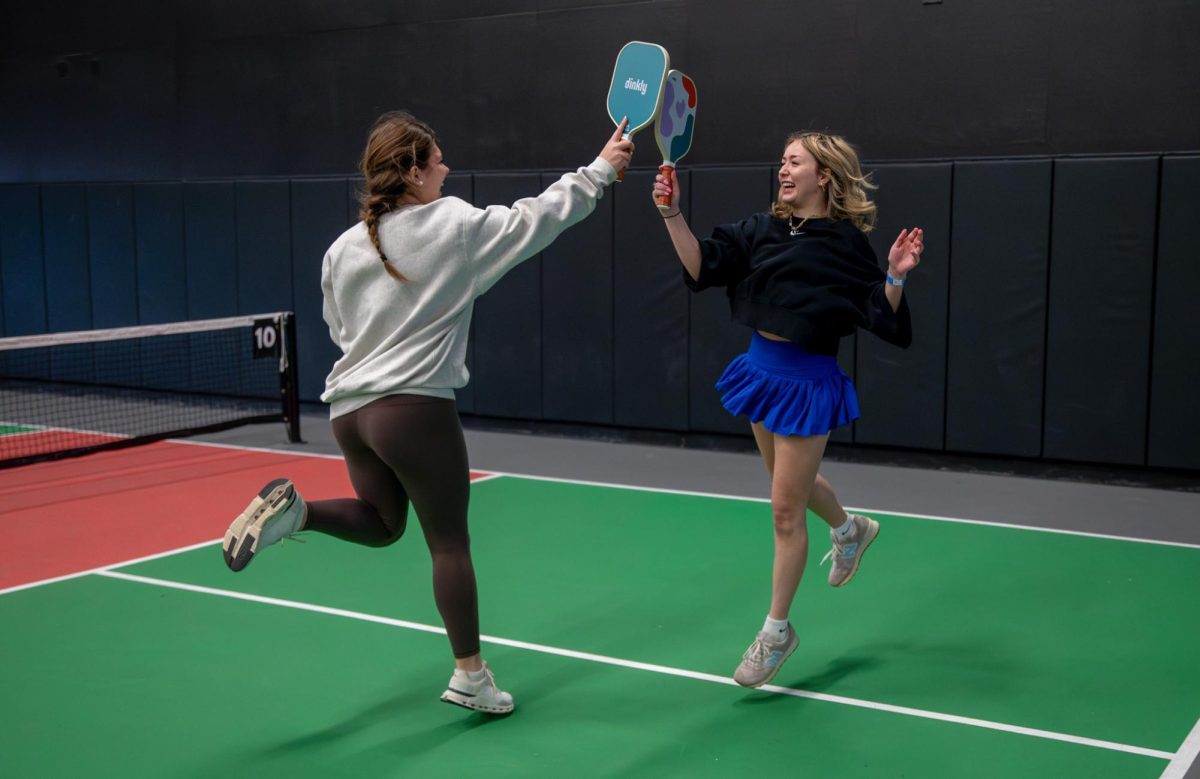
(411, 337)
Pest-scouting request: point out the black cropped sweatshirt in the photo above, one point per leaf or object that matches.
(812, 288)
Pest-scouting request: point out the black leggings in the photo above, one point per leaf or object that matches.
(401, 448)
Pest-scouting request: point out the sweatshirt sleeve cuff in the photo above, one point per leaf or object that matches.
(607, 172)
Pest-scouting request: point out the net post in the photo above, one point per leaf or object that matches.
(289, 383)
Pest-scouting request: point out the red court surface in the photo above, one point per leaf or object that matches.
(69, 516)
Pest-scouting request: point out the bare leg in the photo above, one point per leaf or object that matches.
(822, 501)
(797, 459)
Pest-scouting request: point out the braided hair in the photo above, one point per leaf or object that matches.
(397, 143)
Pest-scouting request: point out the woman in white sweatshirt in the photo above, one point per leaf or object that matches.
(399, 289)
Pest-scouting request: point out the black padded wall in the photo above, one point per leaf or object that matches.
(1174, 439)
(318, 217)
(847, 357)
(24, 274)
(902, 391)
(462, 186)
(996, 358)
(210, 226)
(508, 319)
(721, 196)
(112, 264)
(161, 270)
(1101, 293)
(650, 327)
(65, 247)
(264, 247)
(577, 319)
(258, 88)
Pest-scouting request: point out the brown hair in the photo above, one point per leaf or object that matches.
(847, 190)
(396, 144)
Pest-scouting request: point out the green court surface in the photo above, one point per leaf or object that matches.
(1070, 636)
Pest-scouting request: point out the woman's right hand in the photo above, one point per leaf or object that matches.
(667, 186)
(619, 150)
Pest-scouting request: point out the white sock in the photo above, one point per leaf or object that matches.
(776, 629)
(844, 529)
(476, 676)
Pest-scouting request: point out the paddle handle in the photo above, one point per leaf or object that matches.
(664, 201)
(621, 172)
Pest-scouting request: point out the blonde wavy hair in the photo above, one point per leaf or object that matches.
(847, 187)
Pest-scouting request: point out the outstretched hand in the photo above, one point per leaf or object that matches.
(905, 253)
(619, 149)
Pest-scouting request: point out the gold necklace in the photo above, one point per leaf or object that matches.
(795, 226)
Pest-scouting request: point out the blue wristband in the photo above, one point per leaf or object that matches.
(895, 282)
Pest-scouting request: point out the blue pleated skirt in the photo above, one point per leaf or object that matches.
(788, 388)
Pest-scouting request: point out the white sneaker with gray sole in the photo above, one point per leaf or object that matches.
(481, 695)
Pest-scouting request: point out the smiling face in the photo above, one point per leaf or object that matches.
(801, 181)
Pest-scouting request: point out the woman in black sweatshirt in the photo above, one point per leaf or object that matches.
(801, 276)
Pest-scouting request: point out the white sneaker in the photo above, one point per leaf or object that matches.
(276, 512)
(482, 695)
(847, 552)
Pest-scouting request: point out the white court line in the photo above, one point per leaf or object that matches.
(1184, 756)
(660, 669)
(722, 496)
(893, 512)
(146, 559)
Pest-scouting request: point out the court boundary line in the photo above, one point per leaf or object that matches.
(724, 496)
(889, 512)
(103, 568)
(491, 475)
(1185, 756)
(651, 667)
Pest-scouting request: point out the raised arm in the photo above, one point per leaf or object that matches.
(686, 245)
(904, 255)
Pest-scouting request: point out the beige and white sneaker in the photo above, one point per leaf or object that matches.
(480, 695)
(847, 552)
(276, 512)
(764, 658)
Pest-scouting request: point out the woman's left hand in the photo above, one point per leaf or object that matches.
(906, 252)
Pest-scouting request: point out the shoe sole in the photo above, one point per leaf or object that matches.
(778, 665)
(466, 703)
(872, 533)
(241, 540)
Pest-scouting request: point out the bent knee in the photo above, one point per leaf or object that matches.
(788, 519)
